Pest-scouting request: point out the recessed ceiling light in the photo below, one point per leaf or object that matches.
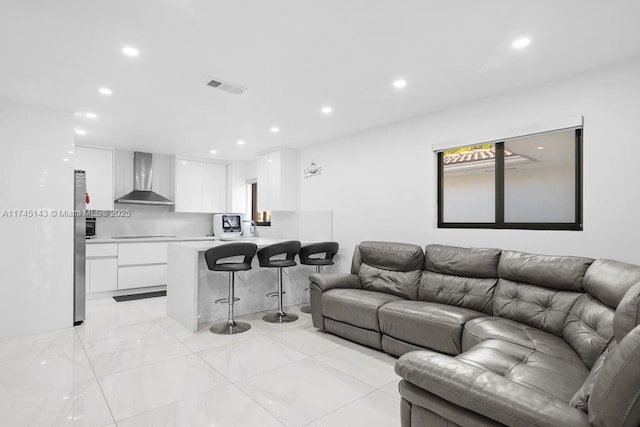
(521, 42)
(65, 160)
(213, 151)
(275, 129)
(540, 148)
(326, 110)
(90, 115)
(81, 132)
(240, 142)
(105, 91)
(130, 51)
(400, 84)
(70, 152)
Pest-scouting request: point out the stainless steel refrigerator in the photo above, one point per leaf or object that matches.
(79, 247)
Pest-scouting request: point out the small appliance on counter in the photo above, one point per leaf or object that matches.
(227, 225)
(248, 227)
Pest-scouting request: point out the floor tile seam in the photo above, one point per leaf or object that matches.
(340, 407)
(275, 417)
(99, 377)
(234, 382)
(169, 404)
(169, 339)
(342, 372)
(187, 396)
(141, 366)
(95, 377)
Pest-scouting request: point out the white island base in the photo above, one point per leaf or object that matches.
(192, 288)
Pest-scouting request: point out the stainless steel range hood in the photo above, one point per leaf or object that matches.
(142, 179)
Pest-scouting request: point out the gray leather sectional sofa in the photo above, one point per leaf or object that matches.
(493, 337)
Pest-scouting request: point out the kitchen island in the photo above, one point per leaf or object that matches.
(192, 289)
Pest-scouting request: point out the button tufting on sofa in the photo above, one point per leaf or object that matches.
(525, 332)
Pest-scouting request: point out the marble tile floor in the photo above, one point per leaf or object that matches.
(130, 365)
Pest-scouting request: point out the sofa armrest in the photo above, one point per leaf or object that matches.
(328, 281)
(486, 392)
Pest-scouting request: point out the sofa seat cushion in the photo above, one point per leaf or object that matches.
(486, 328)
(546, 374)
(426, 324)
(356, 307)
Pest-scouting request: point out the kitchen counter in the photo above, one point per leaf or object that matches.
(98, 240)
(192, 288)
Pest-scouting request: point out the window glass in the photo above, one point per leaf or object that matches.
(469, 184)
(539, 178)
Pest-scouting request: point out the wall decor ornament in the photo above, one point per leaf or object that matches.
(312, 170)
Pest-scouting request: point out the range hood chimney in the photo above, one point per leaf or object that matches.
(142, 179)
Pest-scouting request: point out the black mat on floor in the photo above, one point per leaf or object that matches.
(140, 296)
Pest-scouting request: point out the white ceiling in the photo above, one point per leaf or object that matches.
(294, 56)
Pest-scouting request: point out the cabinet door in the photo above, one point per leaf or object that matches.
(188, 186)
(275, 181)
(102, 275)
(214, 188)
(264, 202)
(98, 164)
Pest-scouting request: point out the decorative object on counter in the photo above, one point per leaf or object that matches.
(312, 170)
(213, 257)
(290, 248)
(329, 249)
(145, 295)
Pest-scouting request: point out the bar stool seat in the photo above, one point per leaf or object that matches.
(290, 249)
(215, 262)
(329, 249)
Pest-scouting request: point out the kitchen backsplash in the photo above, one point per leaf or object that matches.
(148, 220)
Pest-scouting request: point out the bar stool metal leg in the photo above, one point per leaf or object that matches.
(230, 327)
(307, 308)
(280, 316)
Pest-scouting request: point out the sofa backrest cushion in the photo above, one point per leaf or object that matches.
(609, 280)
(464, 262)
(392, 268)
(588, 328)
(542, 308)
(627, 315)
(472, 293)
(615, 398)
(549, 271)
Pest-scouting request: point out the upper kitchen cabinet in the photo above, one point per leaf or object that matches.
(200, 186)
(277, 180)
(98, 164)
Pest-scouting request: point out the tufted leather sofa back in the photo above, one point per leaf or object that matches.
(463, 277)
(589, 326)
(538, 290)
(392, 268)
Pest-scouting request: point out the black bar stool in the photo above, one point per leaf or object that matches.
(213, 256)
(291, 249)
(329, 249)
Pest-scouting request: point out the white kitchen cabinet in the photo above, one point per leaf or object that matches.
(101, 267)
(102, 274)
(142, 276)
(277, 180)
(200, 186)
(98, 165)
(142, 264)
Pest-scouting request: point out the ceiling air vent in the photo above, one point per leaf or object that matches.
(228, 87)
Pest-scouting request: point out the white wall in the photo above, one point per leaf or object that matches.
(381, 184)
(36, 254)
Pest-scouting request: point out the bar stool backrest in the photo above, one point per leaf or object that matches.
(214, 255)
(330, 249)
(291, 248)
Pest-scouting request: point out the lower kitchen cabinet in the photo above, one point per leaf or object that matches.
(142, 276)
(102, 274)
